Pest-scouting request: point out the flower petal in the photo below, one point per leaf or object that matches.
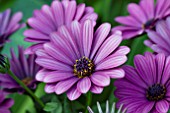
(73, 93)
(96, 89)
(111, 62)
(65, 85)
(162, 106)
(108, 46)
(50, 88)
(100, 35)
(100, 79)
(84, 85)
(56, 76)
(87, 37)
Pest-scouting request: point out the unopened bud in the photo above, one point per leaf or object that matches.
(4, 64)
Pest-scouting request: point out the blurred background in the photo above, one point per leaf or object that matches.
(107, 10)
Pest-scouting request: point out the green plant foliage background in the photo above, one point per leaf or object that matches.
(107, 10)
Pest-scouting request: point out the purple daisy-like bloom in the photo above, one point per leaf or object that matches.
(142, 17)
(5, 104)
(159, 40)
(24, 68)
(49, 19)
(145, 88)
(8, 25)
(78, 59)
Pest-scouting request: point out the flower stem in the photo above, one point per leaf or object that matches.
(89, 100)
(26, 88)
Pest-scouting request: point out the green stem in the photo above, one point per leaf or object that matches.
(89, 100)
(26, 88)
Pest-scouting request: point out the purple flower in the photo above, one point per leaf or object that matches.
(24, 68)
(8, 25)
(49, 19)
(145, 88)
(78, 59)
(159, 40)
(142, 17)
(5, 104)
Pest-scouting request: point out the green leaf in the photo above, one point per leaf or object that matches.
(51, 106)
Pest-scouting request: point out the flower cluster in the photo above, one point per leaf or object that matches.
(75, 54)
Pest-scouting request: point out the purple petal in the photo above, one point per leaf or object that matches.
(128, 32)
(99, 37)
(128, 20)
(122, 50)
(116, 73)
(111, 62)
(34, 34)
(76, 30)
(100, 79)
(4, 110)
(65, 85)
(145, 108)
(50, 88)
(148, 8)
(163, 30)
(7, 103)
(50, 63)
(32, 49)
(141, 64)
(57, 53)
(59, 41)
(129, 72)
(80, 11)
(96, 89)
(166, 73)
(69, 37)
(135, 11)
(70, 12)
(39, 26)
(162, 106)
(108, 47)
(73, 93)
(56, 76)
(87, 37)
(84, 85)
(58, 12)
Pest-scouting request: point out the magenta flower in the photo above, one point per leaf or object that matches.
(145, 88)
(78, 59)
(5, 104)
(8, 25)
(142, 17)
(24, 68)
(159, 40)
(49, 19)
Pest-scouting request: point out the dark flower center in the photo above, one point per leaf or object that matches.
(27, 80)
(149, 24)
(83, 67)
(156, 92)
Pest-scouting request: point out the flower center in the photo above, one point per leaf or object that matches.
(83, 67)
(27, 80)
(156, 92)
(148, 24)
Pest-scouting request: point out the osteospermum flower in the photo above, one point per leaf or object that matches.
(5, 104)
(78, 59)
(142, 17)
(49, 19)
(24, 68)
(113, 109)
(146, 87)
(159, 40)
(8, 25)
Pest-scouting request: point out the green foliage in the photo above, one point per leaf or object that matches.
(107, 10)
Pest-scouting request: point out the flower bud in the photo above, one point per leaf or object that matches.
(4, 64)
